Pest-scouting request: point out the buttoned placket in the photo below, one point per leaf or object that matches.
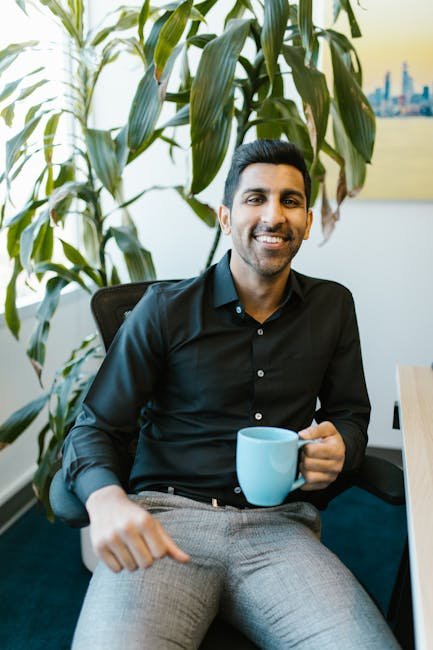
(259, 360)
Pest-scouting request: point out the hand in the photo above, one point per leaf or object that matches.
(322, 462)
(124, 535)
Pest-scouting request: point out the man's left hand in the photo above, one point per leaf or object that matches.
(322, 462)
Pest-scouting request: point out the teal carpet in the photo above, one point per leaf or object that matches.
(42, 579)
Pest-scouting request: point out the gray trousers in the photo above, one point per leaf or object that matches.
(263, 569)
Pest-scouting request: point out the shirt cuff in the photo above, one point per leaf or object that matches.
(93, 479)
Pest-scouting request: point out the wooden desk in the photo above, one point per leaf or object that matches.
(415, 387)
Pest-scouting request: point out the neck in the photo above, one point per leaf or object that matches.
(260, 295)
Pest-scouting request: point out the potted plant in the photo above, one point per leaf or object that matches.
(239, 82)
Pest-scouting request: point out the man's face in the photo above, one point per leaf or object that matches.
(268, 220)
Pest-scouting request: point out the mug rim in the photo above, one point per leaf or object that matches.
(248, 432)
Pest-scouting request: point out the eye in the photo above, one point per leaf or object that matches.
(290, 201)
(255, 199)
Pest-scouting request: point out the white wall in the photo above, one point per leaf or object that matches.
(19, 385)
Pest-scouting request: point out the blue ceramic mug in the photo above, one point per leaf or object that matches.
(266, 462)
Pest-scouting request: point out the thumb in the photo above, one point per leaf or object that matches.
(310, 433)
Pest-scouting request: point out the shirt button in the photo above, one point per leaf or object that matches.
(239, 309)
(260, 332)
(258, 416)
(237, 490)
(260, 373)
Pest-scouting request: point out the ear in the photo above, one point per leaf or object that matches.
(309, 224)
(224, 219)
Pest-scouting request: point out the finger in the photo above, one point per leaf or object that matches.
(323, 430)
(110, 560)
(139, 550)
(161, 544)
(322, 450)
(314, 477)
(320, 465)
(309, 487)
(121, 551)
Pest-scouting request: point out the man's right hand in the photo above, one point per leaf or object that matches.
(124, 535)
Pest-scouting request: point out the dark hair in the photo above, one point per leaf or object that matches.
(275, 152)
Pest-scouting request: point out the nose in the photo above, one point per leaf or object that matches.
(273, 213)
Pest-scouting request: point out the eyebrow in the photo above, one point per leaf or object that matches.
(263, 190)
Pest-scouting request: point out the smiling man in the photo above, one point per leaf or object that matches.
(250, 341)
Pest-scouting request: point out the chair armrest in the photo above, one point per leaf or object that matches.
(381, 478)
(66, 505)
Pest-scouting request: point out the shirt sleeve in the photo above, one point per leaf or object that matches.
(343, 397)
(108, 422)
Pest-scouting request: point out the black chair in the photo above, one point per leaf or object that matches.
(110, 306)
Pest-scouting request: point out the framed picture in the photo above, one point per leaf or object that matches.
(396, 51)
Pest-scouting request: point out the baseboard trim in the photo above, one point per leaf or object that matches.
(16, 506)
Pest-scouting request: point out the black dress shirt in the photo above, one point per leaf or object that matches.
(195, 368)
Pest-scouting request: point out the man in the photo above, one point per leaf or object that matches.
(250, 341)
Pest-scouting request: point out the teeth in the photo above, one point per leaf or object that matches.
(269, 239)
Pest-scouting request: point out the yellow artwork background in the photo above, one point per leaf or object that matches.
(394, 31)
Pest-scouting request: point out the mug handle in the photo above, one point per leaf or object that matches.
(301, 481)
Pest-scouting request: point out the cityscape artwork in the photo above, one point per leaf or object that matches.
(396, 50)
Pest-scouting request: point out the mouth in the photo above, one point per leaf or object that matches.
(271, 240)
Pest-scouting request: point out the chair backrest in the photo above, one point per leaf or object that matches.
(111, 305)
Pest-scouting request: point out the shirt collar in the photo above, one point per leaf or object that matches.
(224, 290)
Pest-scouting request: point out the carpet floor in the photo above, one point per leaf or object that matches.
(42, 579)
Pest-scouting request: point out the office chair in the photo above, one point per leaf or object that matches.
(110, 306)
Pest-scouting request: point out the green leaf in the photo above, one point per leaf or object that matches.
(151, 41)
(295, 128)
(347, 52)
(170, 35)
(26, 92)
(121, 147)
(28, 238)
(22, 5)
(237, 11)
(356, 113)
(14, 145)
(179, 119)
(36, 349)
(346, 6)
(44, 244)
(126, 20)
(138, 260)
(70, 275)
(312, 87)
(208, 154)
(9, 89)
(78, 260)
(275, 20)
(204, 211)
(143, 16)
(305, 21)
(10, 53)
(102, 153)
(8, 114)
(21, 419)
(11, 312)
(49, 135)
(354, 165)
(114, 277)
(268, 109)
(67, 20)
(77, 10)
(208, 99)
(145, 110)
